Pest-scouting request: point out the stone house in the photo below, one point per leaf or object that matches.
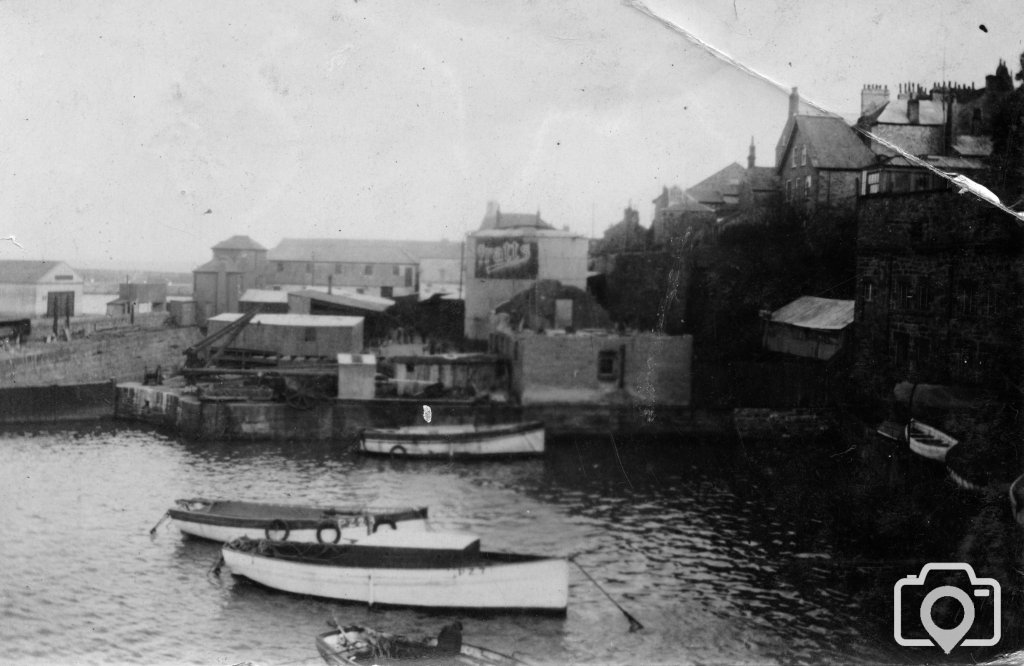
(679, 218)
(939, 280)
(819, 160)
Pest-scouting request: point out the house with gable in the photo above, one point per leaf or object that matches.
(819, 160)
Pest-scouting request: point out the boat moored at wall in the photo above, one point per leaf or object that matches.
(455, 441)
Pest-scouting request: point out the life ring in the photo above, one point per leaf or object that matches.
(328, 526)
(277, 525)
(389, 523)
(397, 451)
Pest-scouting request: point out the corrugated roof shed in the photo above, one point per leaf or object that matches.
(239, 242)
(823, 314)
(264, 296)
(310, 321)
(834, 144)
(341, 250)
(361, 301)
(25, 271)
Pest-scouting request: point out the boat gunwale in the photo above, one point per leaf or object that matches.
(325, 649)
(295, 516)
(376, 557)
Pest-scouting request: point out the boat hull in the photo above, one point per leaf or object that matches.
(928, 442)
(225, 521)
(540, 584)
(335, 653)
(455, 441)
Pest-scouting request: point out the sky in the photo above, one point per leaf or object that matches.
(139, 134)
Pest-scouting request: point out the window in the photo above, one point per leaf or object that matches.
(606, 362)
(310, 335)
(807, 187)
(368, 269)
(396, 270)
(63, 277)
(803, 154)
(873, 182)
(792, 160)
(280, 267)
(789, 190)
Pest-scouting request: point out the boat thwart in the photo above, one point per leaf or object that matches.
(928, 441)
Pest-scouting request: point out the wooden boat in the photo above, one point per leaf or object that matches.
(928, 441)
(225, 520)
(455, 441)
(1017, 499)
(358, 645)
(406, 568)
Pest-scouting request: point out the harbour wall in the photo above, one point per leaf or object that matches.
(181, 411)
(116, 356)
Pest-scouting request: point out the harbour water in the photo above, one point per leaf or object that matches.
(714, 575)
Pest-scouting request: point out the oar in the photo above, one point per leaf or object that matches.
(159, 523)
(634, 624)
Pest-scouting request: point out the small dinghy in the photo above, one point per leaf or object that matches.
(406, 568)
(455, 441)
(928, 442)
(360, 645)
(226, 520)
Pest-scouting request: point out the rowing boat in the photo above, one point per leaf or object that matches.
(928, 441)
(359, 645)
(225, 520)
(455, 441)
(406, 568)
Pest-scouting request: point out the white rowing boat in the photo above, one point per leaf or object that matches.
(455, 441)
(226, 520)
(426, 569)
(928, 441)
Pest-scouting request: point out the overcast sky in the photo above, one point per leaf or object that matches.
(145, 132)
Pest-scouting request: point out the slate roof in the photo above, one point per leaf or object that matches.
(834, 143)
(762, 178)
(822, 314)
(718, 187)
(688, 205)
(973, 146)
(225, 266)
(238, 243)
(25, 271)
(341, 250)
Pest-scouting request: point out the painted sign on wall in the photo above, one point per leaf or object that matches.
(506, 259)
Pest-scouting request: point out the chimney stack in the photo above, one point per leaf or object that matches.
(751, 156)
(794, 102)
(872, 97)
